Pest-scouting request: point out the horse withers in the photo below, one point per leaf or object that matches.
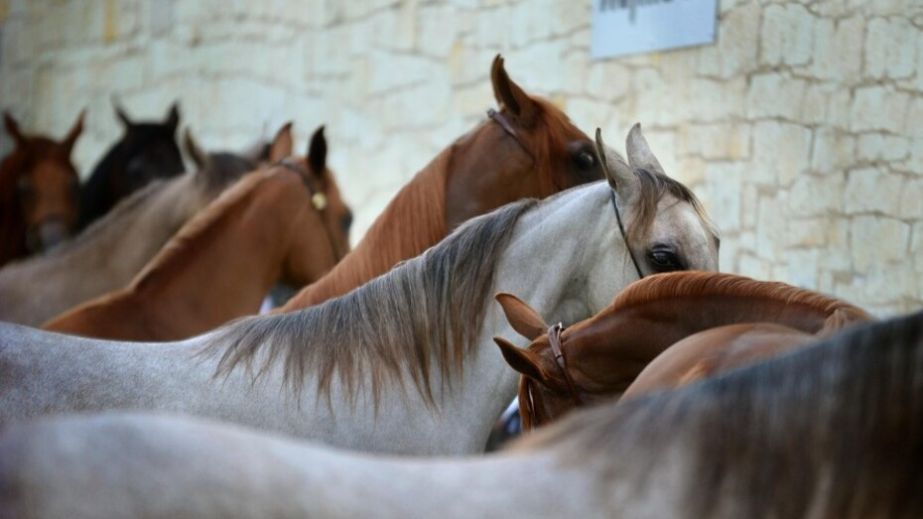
(38, 192)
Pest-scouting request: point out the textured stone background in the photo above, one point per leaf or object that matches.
(802, 128)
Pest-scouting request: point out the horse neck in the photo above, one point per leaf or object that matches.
(676, 318)
(183, 274)
(588, 268)
(412, 222)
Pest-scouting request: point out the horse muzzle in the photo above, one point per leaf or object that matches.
(47, 234)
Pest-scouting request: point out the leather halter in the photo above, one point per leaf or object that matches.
(504, 123)
(318, 198)
(554, 339)
(618, 218)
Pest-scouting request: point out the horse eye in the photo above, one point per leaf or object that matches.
(664, 260)
(585, 160)
(347, 221)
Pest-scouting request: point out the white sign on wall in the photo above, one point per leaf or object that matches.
(623, 27)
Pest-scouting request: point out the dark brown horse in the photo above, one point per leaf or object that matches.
(527, 149)
(145, 152)
(38, 192)
(601, 356)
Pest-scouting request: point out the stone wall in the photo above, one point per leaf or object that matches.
(802, 128)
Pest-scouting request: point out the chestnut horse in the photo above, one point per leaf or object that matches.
(832, 431)
(404, 363)
(601, 356)
(146, 151)
(38, 192)
(109, 253)
(527, 149)
(280, 224)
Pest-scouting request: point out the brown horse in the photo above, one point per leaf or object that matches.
(111, 252)
(282, 223)
(601, 356)
(38, 192)
(527, 149)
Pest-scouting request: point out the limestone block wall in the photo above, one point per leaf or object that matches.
(801, 128)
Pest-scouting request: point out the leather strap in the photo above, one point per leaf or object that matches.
(501, 119)
(318, 198)
(554, 339)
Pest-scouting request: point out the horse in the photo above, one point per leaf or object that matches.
(832, 430)
(109, 253)
(38, 192)
(146, 151)
(527, 149)
(602, 356)
(405, 363)
(222, 263)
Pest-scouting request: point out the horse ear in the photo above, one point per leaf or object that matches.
(522, 360)
(639, 153)
(317, 151)
(198, 156)
(120, 113)
(172, 120)
(511, 97)
(521, 316)
(75, 131)
(618, 173)
(12, 127)
(282, 145)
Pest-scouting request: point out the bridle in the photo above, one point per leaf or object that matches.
(318, 198)
(501, 120)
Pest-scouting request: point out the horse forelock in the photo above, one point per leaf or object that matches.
(664, 287)
(652, 187)
(836, 426)
(425, 314)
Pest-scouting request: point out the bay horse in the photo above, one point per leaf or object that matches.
(109, 253)
(605, 354)
(405, 363)
(834, 430)
(146, 151)
(273, 225)
(528, 148)
(38, 192)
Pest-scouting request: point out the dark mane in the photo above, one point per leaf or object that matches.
(674, 285)
(835, 428)
(424, 314)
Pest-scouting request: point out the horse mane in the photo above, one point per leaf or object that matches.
(673, 285)
(424, 313)
(203, 227)
(835, 427)
(419, 205)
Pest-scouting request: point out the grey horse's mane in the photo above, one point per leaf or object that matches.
(425, 312)
(838, 425)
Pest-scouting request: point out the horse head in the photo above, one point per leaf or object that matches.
(40, 189)
(526, 149)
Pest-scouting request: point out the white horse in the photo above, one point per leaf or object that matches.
(833, 430)
(404, 364)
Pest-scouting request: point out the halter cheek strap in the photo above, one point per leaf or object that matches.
(618, 218)
(504, 123)
(318, 198)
